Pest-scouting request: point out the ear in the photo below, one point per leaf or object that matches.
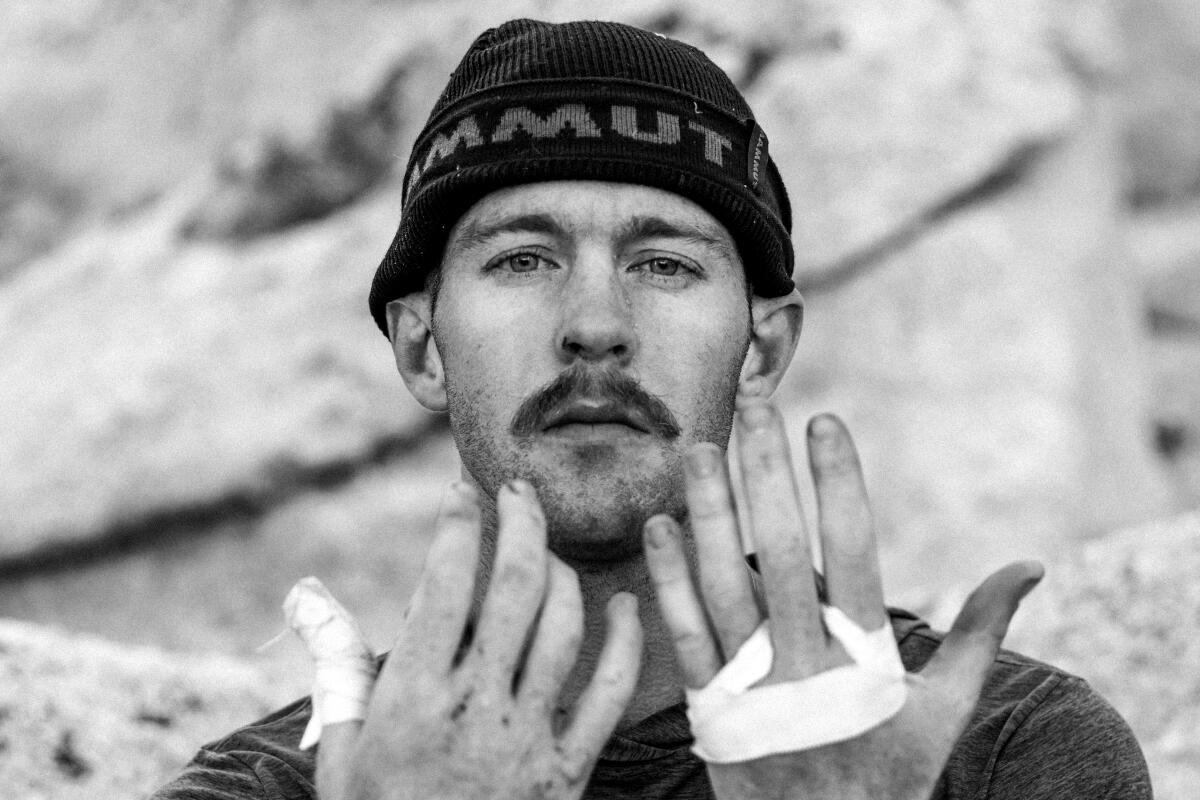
(410, 329)
(776, 330)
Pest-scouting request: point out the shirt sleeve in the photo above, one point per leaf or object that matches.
(215, 775)
(261, 761)
(1067, 743)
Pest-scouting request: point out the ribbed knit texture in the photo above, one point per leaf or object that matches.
(529, 50)
(536, 101)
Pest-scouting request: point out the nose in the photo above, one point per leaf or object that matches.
(596, 318)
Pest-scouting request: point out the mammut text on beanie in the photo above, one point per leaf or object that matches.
(535, 101)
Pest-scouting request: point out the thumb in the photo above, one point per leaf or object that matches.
(345, 673)
(961, 664)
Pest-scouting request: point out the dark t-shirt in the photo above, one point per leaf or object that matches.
(1037, 733)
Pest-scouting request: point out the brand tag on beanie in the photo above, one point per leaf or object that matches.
(756, 156)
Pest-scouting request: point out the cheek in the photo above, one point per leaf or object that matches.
(703, 358)
(487, 373)
(716, 400)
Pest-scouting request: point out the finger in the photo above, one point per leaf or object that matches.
(556, 644)
(333, 759)
(695, 648)
(781, 542)
(442, 600)
(724, 578)
(852, 579)
(515, 590)
(345, 667)
(607, 694)
(961, 664)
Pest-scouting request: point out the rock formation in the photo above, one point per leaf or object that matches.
(190, 374)
(84, 718)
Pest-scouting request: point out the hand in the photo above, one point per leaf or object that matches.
(902, 757)
(484, 725)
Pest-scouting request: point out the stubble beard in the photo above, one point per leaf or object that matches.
(595, 498)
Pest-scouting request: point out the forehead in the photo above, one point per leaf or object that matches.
(593, 208)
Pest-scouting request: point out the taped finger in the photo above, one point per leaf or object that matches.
(345, 666)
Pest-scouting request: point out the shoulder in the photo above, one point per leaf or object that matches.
(261, 760)
(1037, 732)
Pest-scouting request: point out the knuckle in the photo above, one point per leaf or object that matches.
(723, 597)
(459, 513)
(707, 509)
(518, 574)
(613, 679)
(569, 642)
(674, 582)
(764, 455)
(689, 639)
(854, 539)
(573, 763)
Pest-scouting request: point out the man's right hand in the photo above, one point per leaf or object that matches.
(483, 725)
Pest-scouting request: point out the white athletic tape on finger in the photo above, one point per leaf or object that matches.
(733, 722)
(345, 667)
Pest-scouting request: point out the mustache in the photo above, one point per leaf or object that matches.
(579, 382)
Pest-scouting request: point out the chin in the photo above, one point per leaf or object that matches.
(602, 520)
(575, 549)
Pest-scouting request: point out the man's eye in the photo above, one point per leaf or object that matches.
(664, 266)
(521, 262)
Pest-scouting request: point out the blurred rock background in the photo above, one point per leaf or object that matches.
(997, 221)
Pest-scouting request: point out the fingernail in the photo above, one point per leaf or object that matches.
(822, 427)
(658, 532)
(756, 416)
(1037, 572)
(515, 486)
(703, 460)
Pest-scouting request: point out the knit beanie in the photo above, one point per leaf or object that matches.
(535, 101)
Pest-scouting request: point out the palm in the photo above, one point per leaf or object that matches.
(900, 757)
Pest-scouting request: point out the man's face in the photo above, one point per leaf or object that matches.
(590, 333)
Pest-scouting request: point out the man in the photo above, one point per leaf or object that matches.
(592, 275)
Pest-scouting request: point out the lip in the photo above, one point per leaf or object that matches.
(596, 415)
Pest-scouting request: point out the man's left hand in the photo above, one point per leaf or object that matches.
(899, 758)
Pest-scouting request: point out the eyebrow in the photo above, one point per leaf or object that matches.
(475, 232)
(645, 227)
